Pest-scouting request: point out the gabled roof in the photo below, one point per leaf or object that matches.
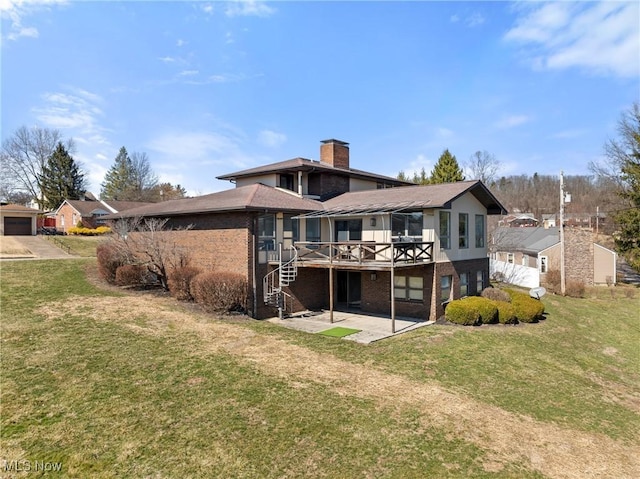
(87, 208)
(303, 164)
(256, 197)
(527, 240)
(412, 198)
(14, 208)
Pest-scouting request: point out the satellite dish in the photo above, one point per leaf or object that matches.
(537, 293)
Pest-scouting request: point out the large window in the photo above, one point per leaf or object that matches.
(463, 230)
(348, 230)
(407, 227)
(445, 287)
(410, 288)
(464, 284)
(479, 231)
(286, 181)
(445, 229)
(291, 228)
(312, 229)
(267, 233)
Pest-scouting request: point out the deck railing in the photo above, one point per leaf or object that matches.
(365, 252)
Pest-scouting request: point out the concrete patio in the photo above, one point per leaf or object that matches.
(372, 328)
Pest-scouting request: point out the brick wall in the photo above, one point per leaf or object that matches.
(578, 255)
(455, 269)
(67, 211)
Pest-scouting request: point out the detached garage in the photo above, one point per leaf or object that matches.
(18, 220)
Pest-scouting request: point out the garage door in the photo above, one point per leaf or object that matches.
(17, 226)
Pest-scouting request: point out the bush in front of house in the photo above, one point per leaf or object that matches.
(528, 309)
(459, 312)
(134, 275)
(82, 231)
(181, 282)
(552, 281)
(575, 289)
(506, 312)
(496, 294)
(220, 292)
(110, 258)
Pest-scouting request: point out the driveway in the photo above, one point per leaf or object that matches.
(30, 247)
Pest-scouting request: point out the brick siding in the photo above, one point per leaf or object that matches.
(578, 255)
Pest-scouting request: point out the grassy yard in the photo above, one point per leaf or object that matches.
(84, 246)
(115, 385)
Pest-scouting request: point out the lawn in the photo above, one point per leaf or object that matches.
(84, 246)
(136, 385)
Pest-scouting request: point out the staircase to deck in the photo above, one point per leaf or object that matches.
(282, 276)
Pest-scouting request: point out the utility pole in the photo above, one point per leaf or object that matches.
(562, 273)
(597, 219)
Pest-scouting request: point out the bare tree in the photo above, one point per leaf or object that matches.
(23, 157)
(143, 178)
(482, 166)
(148, 242)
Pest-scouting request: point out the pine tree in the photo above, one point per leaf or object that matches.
(61, 178)
(446, 169)
(118, 181)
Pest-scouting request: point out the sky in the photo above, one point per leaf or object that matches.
(209, 88)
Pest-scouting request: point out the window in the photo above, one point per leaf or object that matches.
(267, 233)
(74, 220)
(463, 230)
(312, 229)
(409, 288)
(407, 226)
(286, 181)
(445, 287)
(348, 230)
(510, 258)
(479, 281)
(543, 264)
(291, 228)
(445, 229)
(464, 284)
(479, 231)
(525, 260)
(62, 220)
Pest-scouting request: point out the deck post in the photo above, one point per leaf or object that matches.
(330, 272)
(393, 296)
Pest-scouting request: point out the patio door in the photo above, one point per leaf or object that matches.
(349, 289)
(348, 230)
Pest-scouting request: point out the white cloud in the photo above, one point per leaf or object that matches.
(188, 73)
(602, 38)
(512, 121)
(271, 139)
(167, 59)
(472, 20)
(259, 8)
(17, 10)
(198, 148)
(180, 42)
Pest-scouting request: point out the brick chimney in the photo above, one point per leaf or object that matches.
(335, 153)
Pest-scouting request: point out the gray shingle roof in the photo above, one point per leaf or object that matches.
(527, 240)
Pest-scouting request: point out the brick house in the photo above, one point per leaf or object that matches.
(89, 211)
(525, 256)
(312, 235)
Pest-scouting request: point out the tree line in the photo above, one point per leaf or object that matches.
(37, 164)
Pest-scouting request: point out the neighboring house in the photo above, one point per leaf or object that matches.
(549, 221)
(524, 256)
(520, 220)
(18, 220)
(310, 234)
(88, 211)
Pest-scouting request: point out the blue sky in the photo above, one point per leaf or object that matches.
(207, 88)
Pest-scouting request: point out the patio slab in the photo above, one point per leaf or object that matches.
(372, 327)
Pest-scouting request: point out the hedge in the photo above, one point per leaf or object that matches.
(82, 231)
(472, 311)
(528, 309)
(220, 292)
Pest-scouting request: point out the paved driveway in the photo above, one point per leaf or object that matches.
(30, 247)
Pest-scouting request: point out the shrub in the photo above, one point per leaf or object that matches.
(506, 313)
(181, 282)
(552, 280)
(459, 313)
(486, 307)
(133, 275)
(109, 259)
(528, 310)
(496, 294)
(574, 289)
(82, 231)
(220, 292)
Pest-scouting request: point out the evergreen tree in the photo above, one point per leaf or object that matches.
(446, 169)
(119, 181)
(61, 178)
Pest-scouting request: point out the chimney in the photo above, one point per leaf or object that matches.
(335, 153)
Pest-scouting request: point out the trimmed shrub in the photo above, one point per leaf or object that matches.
(496, 294)
(574, 289)
(110, 258)
(220, 292)
(460, 313)
(132, 275)
(486, 307)
(82, 231)
(506, 313)
(528, 310)
(181, 281)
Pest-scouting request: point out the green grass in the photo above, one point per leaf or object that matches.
(84, 246)
(338, 332)
(106, 399)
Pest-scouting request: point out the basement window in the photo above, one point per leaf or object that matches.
(408, 288)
